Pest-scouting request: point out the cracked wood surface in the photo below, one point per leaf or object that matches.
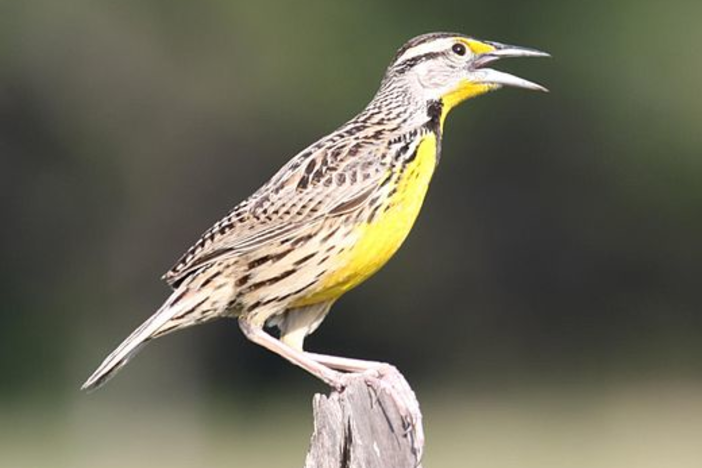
(372, 423)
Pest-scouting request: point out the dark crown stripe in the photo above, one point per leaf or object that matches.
(422, 39)
(411, 62)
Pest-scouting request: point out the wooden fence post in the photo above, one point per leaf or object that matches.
(372, 423)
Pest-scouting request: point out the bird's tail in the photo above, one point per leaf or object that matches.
(172, 315)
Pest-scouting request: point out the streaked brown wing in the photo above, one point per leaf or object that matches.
(309, 189)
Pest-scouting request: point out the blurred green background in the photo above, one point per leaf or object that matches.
(546, 307)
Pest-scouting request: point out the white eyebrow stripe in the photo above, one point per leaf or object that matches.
(432, 46)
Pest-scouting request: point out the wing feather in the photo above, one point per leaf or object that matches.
(312, 187)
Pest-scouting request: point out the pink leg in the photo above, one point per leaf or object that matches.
(299, 358)
(345, 364)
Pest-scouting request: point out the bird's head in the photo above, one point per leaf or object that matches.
(451, 68)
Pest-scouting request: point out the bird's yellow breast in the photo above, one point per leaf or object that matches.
(378, 240)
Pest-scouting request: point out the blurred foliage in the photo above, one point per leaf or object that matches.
(560, 241)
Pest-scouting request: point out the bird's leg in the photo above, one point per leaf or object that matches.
(346, 364)
(299, 358)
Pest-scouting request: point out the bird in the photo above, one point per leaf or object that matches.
(332, 216)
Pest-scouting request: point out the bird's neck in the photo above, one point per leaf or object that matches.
(399, 113)
(401, 122)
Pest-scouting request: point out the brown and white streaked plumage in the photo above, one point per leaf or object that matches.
(332, 216)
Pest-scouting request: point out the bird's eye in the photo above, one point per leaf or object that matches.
(459, 49)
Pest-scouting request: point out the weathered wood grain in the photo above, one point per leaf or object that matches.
(374, 422)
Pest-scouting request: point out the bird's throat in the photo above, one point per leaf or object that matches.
(465, 90)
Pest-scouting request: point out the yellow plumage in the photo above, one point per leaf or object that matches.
(378, 240)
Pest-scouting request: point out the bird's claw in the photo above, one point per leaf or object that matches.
(387, 379)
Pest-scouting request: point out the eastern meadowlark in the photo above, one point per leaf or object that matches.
(332, 216)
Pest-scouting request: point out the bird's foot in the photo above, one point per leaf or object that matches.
(385, 379)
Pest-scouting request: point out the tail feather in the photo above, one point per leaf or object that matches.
(178, 305)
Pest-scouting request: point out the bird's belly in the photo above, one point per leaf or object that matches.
(375, 242)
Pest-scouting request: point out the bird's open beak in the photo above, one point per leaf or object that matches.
(487, 52)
